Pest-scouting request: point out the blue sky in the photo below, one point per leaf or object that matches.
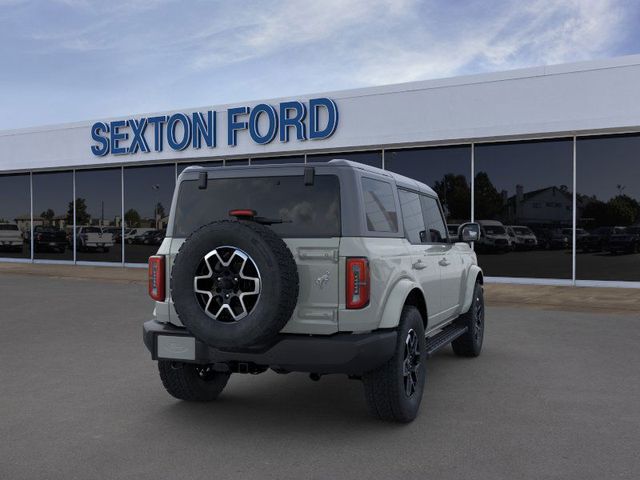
(72, 60)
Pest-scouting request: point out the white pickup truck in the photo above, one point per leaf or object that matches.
(10, 237)
(321, 268)
(93, 238)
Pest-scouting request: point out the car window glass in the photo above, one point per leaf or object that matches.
(412, 216)
(302, 210)
(433, 220)
(380, 206)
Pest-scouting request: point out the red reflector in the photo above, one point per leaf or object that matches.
(242, 213)
(358, 287)
(156, 278)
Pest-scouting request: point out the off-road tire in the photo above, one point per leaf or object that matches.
(469, 344)
(385, 388)
(278, 293)
(190, 382)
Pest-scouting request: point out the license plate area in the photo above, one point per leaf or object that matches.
(176, 347)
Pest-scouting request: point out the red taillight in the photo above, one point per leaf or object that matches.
(357, 282)
(242, 213)
(156, 278)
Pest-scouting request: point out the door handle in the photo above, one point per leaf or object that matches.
(418, 265)
(444, 262)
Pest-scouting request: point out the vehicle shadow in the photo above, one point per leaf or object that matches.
(292, 403)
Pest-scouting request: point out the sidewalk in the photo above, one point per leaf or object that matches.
(577, 299)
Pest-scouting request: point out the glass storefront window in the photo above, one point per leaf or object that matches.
(233, 163)
(147, 200)
(445, 169)
(99, 215)
(608, 208)
(182, 166)
(15, 216)
(53, 215)
(524, 204)
(372, 158)
(277, 160)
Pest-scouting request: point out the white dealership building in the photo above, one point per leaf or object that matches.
(551, 153)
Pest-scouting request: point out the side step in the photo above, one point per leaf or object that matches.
(444, 338)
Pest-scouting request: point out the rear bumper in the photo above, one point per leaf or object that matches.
(346, 353)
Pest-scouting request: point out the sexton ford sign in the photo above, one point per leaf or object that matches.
(312, 120)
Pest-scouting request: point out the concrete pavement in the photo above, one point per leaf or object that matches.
(554, 395)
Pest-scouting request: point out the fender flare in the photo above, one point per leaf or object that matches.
(475, 273)
(395, 302)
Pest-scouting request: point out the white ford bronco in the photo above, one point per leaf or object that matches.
(321, 268)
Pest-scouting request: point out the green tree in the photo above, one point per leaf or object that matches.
(455, 194)
(82, 216)
(622, 210)
(488, 201)
(48, 215)
(132, 218)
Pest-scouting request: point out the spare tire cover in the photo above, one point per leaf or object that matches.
(234, 284)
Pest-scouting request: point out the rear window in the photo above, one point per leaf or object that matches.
(8, 227)
(306, 210)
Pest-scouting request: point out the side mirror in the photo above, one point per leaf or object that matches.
(469, 232)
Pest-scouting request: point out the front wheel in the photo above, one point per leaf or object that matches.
(194, 383)
(394, 391)
(470, 343)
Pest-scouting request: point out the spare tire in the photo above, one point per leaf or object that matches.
(234, 284)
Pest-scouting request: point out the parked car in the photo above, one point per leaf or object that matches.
(134, 236)
(152, 237)
(552, 239)
(627, 241)
(93, 239)
(277, 280)
(598, 239)
(116, 232)
(49, 239)
(10, 237)
(522, 237)
(494, 237)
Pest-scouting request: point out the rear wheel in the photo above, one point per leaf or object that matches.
(195, 383)
(470, 343)
(394, 391)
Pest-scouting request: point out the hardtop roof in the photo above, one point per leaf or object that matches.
(400, 180)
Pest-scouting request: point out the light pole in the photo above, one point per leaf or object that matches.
(156, 188)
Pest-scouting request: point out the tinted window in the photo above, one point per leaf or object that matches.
(608, 200)
(412, 216)
(277, 160)
(233, 163)
(445, 169)
(53, 209)
(147, 200)
(15, 212)
(373, 158)
(98, 206)
(525, 184)
(379, 205)
(433, 220)
(306, 210)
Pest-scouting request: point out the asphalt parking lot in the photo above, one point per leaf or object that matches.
(554, 395)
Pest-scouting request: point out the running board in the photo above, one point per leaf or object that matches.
(444, 338)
